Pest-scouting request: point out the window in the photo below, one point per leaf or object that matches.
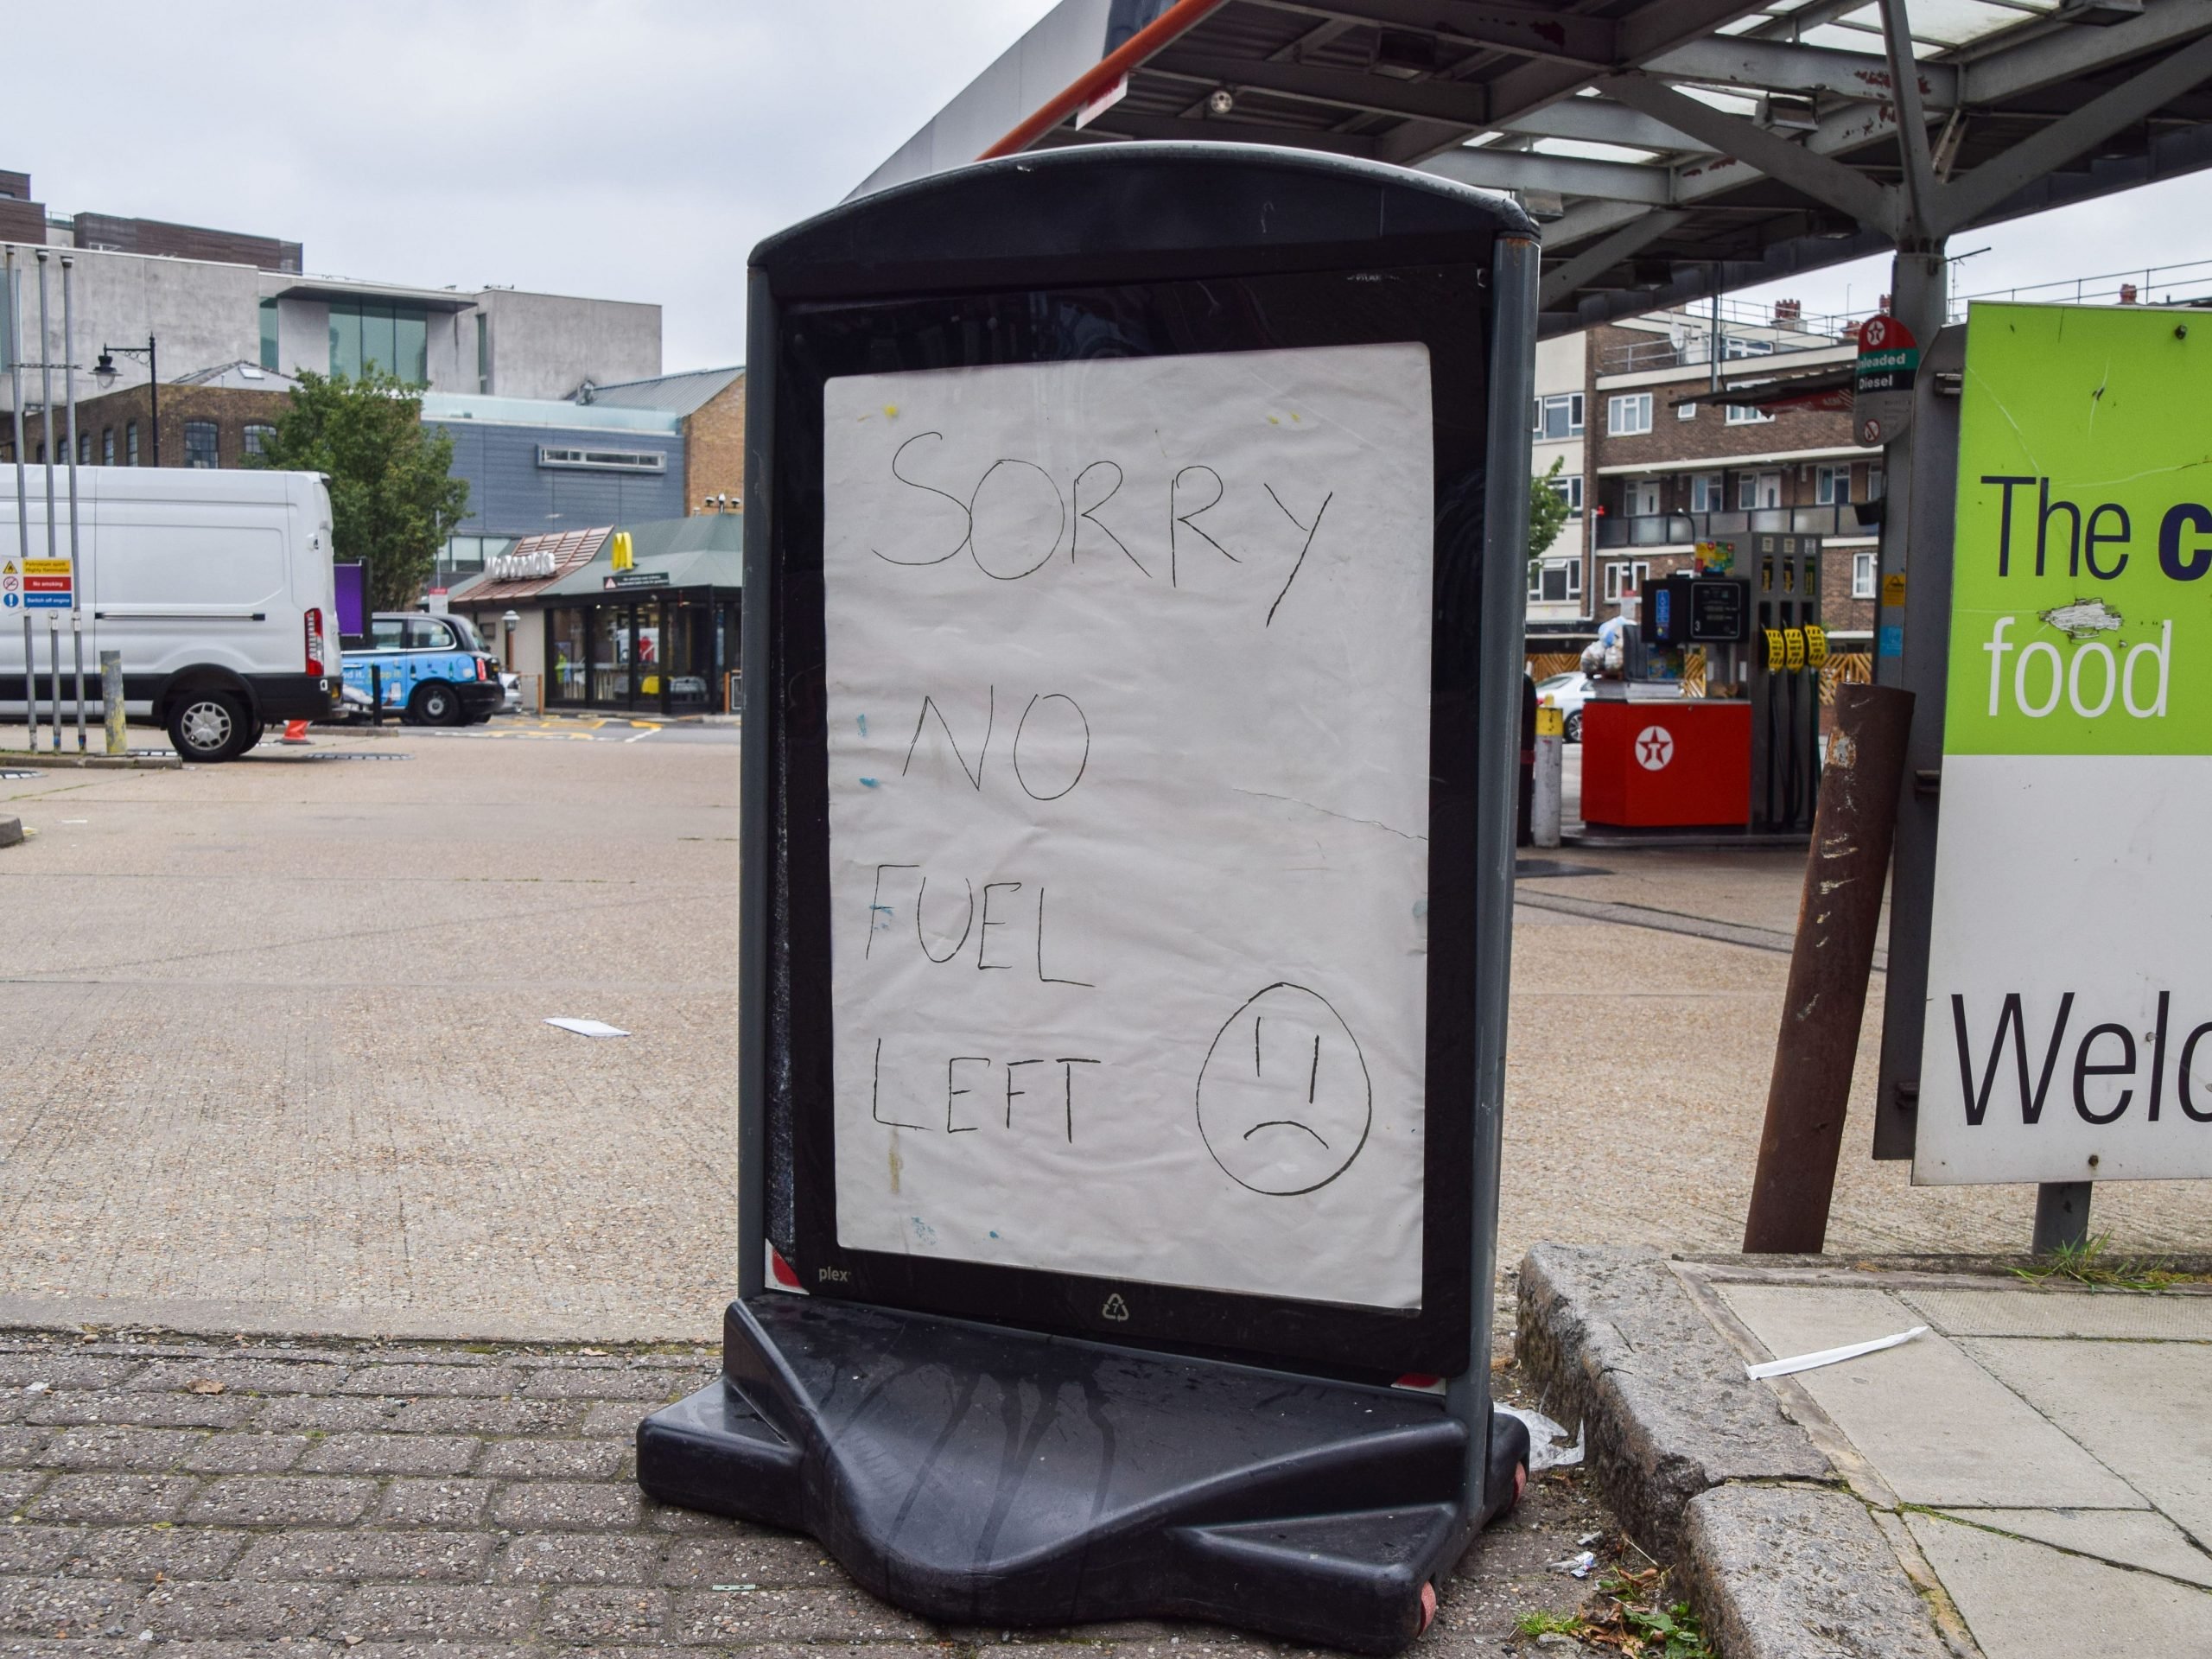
(1560, 416)
(1642, 497)
(269, 334)
(1556, 582)
(1624, 580)
(1628, 415)
(257, 439)
(1742, 414)
(107, 446)
(131, 443)
(1832, 486)
(365, 335)
(199, 444)
(483, 353)
(1686, 411)
(1862, 575)
(84, 448)
(429, 634)
(1755, 490)
(1876, 483)
(1706, 495)
(602, 460)
(1568, 488)
(387, 633)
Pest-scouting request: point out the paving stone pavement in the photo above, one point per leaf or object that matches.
(383, 1500)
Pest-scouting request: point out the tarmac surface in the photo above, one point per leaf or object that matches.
(281, 1062)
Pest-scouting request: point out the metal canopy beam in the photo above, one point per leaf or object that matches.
(2068, 54)
(1591, 119)
(1510, 169)
(1524, 30)
(1802, 169)
(1915, 222)
(1596, 120)
(1979, 191)
(1782, 66)
(1631, 238)
(1348, 89)
(1657, 26)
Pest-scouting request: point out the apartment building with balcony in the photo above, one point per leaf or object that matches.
(1668, 461)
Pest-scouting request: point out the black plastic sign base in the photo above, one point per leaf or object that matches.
(981, 1475)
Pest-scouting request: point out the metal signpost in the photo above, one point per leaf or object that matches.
(2069, 1035)
(11, 571)
(1135, 569)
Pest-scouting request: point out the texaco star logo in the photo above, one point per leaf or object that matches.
(1654, 747)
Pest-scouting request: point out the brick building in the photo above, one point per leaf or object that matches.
(212, 417)
(1667, 463)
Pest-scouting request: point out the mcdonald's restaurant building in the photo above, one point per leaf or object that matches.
(657, 636)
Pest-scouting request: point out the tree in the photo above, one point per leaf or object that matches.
(1547, 511)
(393, 499)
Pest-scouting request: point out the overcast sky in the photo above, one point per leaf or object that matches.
(633, 151)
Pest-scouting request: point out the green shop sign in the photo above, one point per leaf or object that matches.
(2081, 600)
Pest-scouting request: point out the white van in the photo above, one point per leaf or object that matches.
(215, 586)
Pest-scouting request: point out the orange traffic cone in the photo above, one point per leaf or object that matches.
(296, 731)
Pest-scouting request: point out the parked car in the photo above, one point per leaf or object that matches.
(510, 694)
(433, 671)
(1566, 693)
(215, 587)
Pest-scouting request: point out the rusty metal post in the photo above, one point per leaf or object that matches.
(1838, 919)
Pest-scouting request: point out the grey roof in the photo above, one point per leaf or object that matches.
(240, 375)
(678, 394)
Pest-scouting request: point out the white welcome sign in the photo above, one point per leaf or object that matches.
(2069, 1033)
(1129, 683)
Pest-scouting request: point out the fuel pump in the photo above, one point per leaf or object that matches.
(1788, 649)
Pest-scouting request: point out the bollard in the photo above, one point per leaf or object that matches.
(1551, 756)
(111, 700)
(376, 695)
(1838, 917)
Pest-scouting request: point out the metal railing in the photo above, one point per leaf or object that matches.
(1673, 529)
(2186, 284)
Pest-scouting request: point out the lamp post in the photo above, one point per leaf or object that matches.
(104, 372)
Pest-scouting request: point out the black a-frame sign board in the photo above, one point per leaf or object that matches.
(1133, 559)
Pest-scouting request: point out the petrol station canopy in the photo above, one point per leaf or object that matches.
(1670, 149)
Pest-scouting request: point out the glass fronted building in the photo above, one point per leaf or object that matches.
(660, 637)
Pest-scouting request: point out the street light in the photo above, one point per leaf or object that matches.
(104, 372)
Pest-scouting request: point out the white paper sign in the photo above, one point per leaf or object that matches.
(1129, 691)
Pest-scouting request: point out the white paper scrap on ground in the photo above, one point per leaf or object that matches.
(588, 1027)
(1545, 1438)
(1128, 689)
(1831, 1356)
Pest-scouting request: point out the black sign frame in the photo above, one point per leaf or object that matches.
(821, 307)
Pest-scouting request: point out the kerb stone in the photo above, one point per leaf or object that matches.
(1801, 1572)
(1614, 1343)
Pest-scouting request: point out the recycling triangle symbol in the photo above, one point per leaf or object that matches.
(1116, 1308)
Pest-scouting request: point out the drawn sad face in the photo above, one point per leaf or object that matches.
(1284, 1100)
